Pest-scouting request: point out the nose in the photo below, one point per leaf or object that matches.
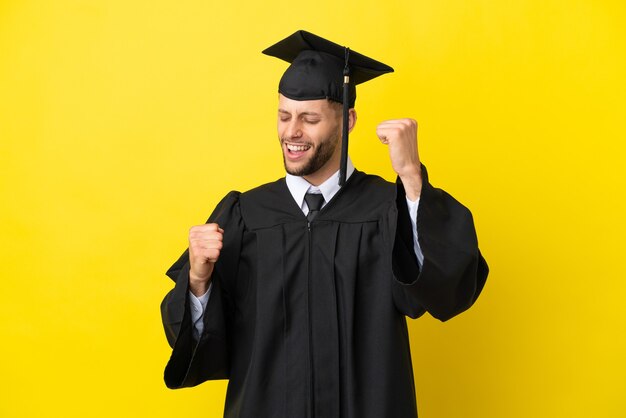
(293, 129)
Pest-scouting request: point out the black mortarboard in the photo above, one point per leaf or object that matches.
(321, 69)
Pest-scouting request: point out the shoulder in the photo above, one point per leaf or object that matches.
(226, 210)
(364, 187)
(268, 205)
(361, 181)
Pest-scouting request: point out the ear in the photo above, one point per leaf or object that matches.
(351, 119)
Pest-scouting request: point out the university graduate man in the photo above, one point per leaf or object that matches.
(297, 291)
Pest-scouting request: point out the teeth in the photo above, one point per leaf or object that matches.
(292, 147)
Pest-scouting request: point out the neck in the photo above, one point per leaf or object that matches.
(324, 173)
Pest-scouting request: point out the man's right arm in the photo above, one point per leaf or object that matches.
(205, 244)
(195, 360)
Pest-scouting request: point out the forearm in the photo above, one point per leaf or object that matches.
(413, 206)
(198, 306)
(412, 182)
(198, 286)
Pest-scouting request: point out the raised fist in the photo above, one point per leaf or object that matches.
(401, 137)
(205, 245)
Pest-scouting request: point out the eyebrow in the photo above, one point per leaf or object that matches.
(301, 114)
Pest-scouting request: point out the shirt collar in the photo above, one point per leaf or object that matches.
(298, 186)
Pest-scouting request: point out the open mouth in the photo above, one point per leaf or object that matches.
(295, 151)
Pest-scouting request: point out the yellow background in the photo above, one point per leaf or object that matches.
(123, 122)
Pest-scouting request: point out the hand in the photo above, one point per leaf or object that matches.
(401, 137)
(205, 244)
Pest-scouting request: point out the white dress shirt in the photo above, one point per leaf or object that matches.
(299, 187)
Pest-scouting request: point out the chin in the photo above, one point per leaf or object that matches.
(296, 169)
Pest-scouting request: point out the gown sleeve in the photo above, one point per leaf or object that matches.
(195, 361)
(453, 272)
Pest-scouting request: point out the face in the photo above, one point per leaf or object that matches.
(309, 133)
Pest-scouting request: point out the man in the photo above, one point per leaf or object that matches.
(297, 291)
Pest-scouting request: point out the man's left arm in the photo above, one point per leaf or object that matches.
(437, 266)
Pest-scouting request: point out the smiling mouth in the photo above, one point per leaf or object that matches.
(298, 148)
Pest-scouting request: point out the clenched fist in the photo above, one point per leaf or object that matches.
(205, 244)
(401, 137)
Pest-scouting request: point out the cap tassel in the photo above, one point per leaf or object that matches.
(346, 119)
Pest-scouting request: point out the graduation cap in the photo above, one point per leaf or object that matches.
(321, 69)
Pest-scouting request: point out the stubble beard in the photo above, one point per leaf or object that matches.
(323, 152)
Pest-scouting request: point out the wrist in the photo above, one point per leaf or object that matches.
(198, 286)
(412, 182)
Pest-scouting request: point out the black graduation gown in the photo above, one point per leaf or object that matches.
(308, 320)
